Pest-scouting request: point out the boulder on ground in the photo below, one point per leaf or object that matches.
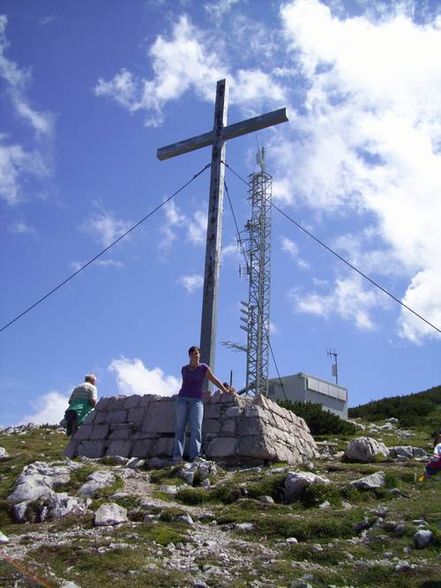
(422, 538)
(365, 449)
(376, 480)
(296, 482)
(96, 481)
(110, 514)
(38, 479)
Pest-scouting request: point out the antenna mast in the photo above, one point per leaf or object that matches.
(334, 354)
(257, 310)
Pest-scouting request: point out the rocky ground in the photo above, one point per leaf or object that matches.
(355, 517)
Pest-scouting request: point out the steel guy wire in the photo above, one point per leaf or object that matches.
(341, 258)
(101, 253)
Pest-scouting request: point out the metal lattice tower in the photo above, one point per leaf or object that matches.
(257, 311)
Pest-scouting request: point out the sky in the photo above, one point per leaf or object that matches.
(91, 89)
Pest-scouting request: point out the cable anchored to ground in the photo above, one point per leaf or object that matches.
(341, 258)
(101, 253)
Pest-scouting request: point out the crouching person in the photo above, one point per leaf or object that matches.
(81, 402)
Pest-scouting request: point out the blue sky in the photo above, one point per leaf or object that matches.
(89, 92)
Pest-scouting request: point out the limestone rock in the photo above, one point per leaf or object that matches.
(407, 452)
(38, 479)
(110, 514)
(375, 480)
(96, 481)
(60, 504)
(199, 468)
(422, 538)
(365, 449)
(185, 518)
(296, 482)
(53, 505)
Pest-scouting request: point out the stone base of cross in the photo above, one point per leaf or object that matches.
(217, 138)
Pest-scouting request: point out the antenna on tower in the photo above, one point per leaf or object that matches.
(260, 158)
(334, 368)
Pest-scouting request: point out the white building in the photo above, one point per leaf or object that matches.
(302, 387)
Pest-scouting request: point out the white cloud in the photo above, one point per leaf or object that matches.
(233, 250)
(274, 330)
(49, 409)
(423, 296)
(220, 8)
(105, 227)
(47, 20)
(192, 282)
(17, 81)
(21, 227)
(197, 228)
(133, 377)
(369, 134)
(181, 63)
(290, 247)
(76, 265)
(17, 164)
(173, 219)
(347, 300)
(293, 251)
(253, 85)
(254, 38)
(123, 88)
(360, 250)
(189, 60)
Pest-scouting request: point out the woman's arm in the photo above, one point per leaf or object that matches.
(217, 382)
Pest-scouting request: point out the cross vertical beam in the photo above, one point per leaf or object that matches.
(217, 138)
(214, 228)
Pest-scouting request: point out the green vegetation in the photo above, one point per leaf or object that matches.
(97, 565)
(281, 525)
(319, 421)
(419, 409)
(36, 444)
(357, 540)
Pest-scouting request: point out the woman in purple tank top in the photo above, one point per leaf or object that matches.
(190, 406)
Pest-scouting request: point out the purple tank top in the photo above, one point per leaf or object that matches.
(192, 381)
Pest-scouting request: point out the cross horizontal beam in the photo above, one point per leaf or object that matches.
(230, 132)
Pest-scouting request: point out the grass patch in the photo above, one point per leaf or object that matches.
(165, 475)
(327, 556)
(316, 494)
(88, 566)
(170, 515)
(267, 486)
(6, 515)
(192, 496)
(226, 494)
(78, 477)
(164, 533)
(37, 444)
(233, 490)
(276, 525)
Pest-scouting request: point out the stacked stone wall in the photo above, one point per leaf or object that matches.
(235, 430)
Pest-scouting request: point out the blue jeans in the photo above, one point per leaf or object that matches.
(188, 409)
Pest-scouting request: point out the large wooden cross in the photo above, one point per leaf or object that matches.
(217, 138)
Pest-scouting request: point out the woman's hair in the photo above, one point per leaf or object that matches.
(437, 438)
(193, 348)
